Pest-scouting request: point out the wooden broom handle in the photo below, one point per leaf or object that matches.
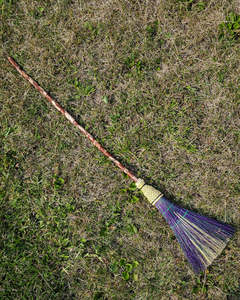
(71, 119)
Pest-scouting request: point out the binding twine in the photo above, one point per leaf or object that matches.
(152, 194)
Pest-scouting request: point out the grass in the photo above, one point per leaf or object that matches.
(157, 83)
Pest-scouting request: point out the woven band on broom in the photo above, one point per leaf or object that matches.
(202, 239)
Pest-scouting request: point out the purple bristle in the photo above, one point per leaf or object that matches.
(201, 238)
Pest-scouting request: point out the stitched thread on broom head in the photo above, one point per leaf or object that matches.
(152, 194)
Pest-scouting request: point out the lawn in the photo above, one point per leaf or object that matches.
(157, 83)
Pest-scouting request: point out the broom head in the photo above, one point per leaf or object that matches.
(201, 238)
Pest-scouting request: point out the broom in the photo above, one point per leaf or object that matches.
(202, 239)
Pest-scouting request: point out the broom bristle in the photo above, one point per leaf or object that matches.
(201, 238)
